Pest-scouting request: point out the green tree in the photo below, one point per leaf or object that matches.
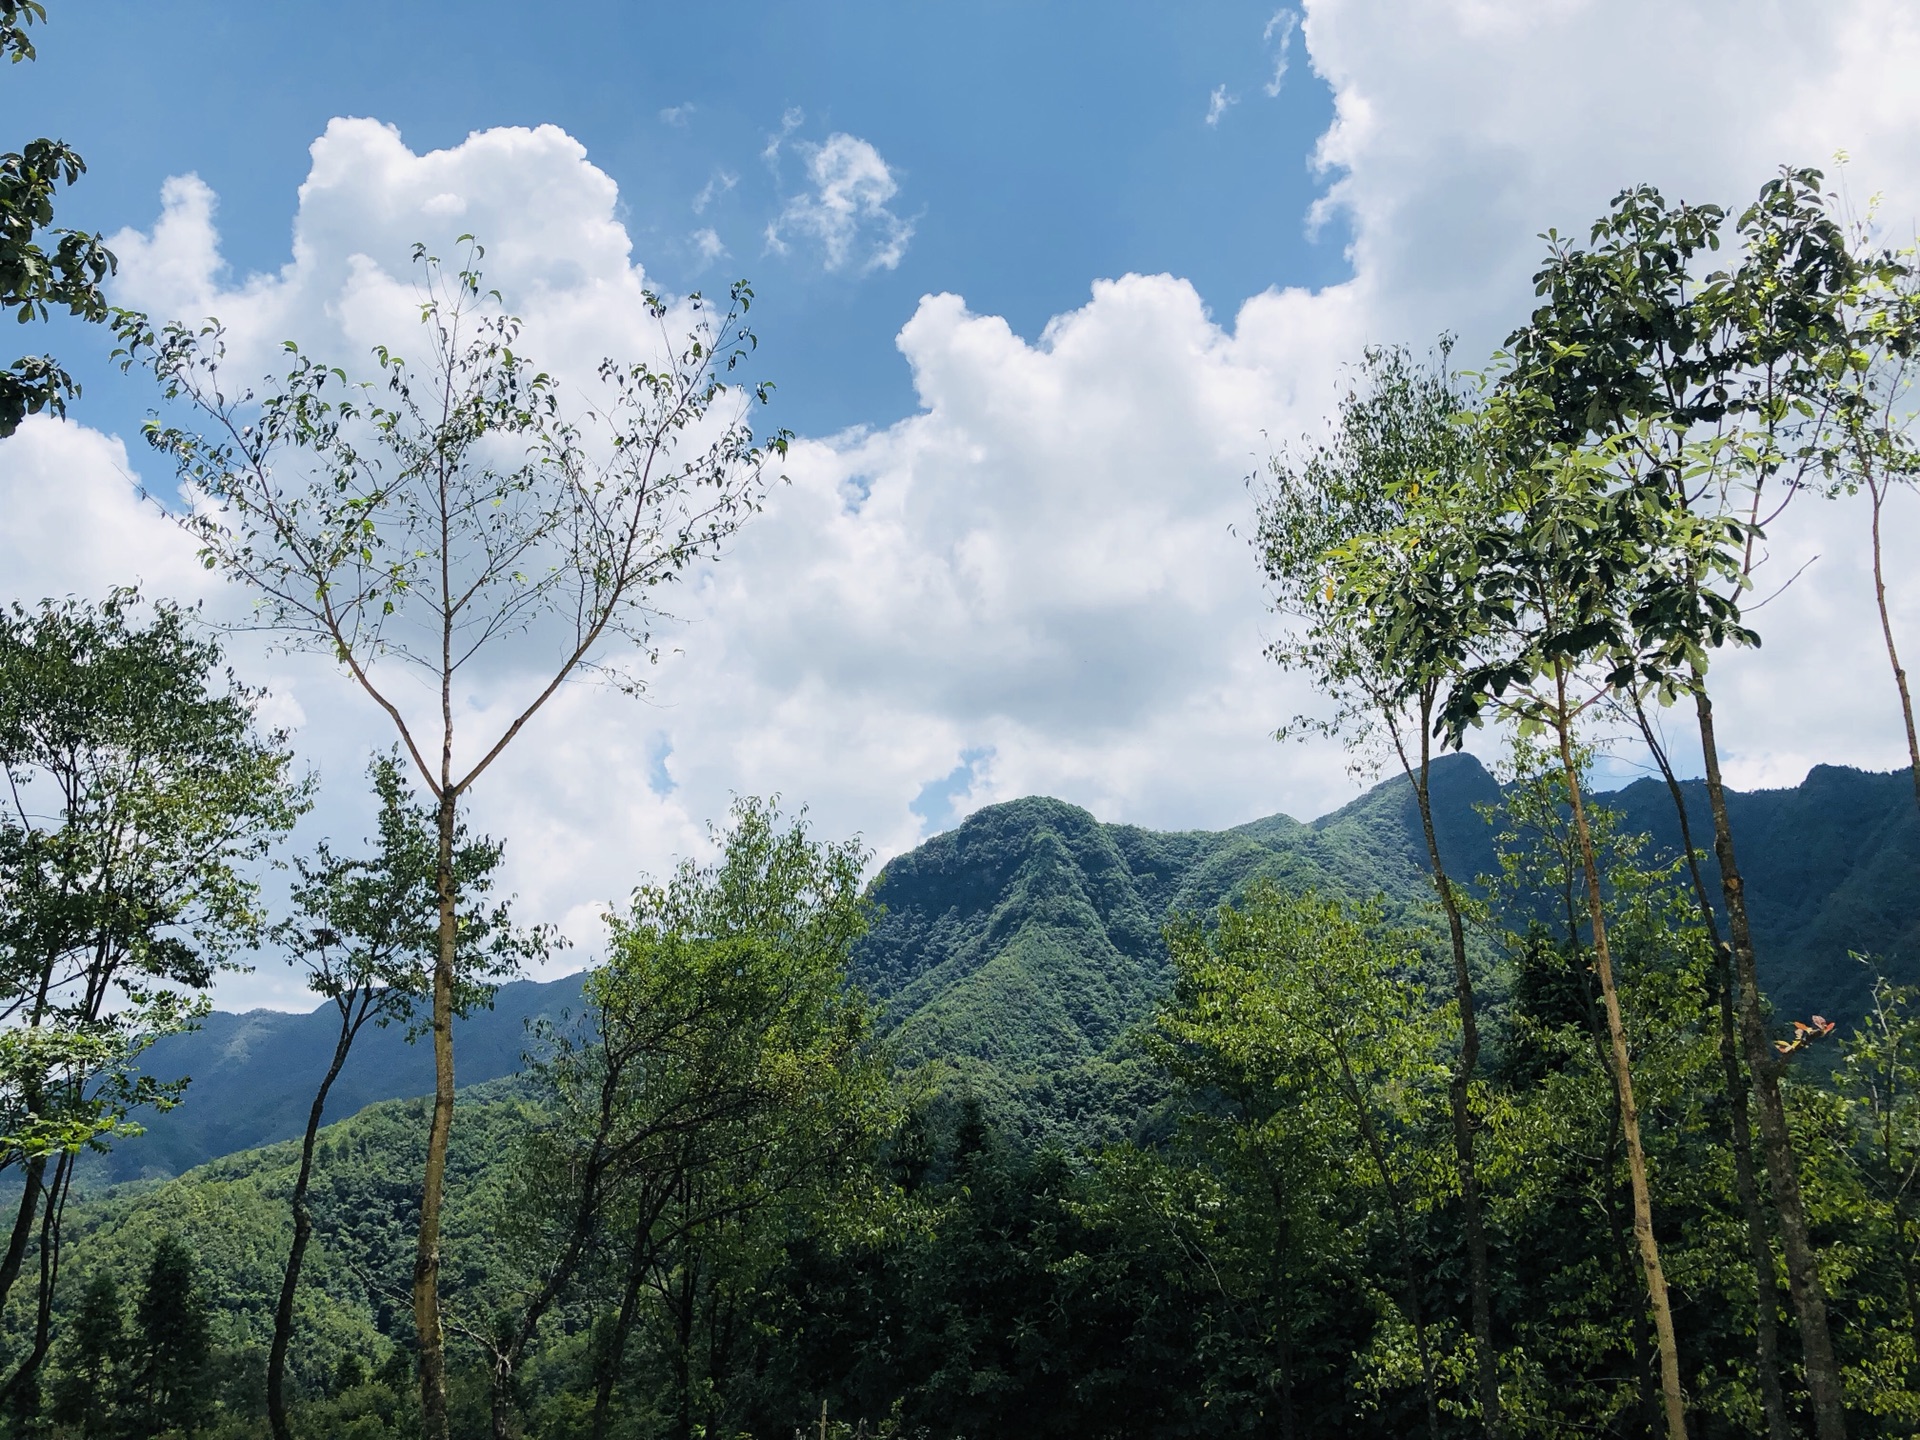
(88, 1375)
(1702, 404)
(1544, 547)
(1880, 1083)
(725, 1067)
(172, 1352)
(42, 267)
(1386, 664)
(1585, 1352)
(142, 794)
(365, 931)
(1869, 366)
(1297, 996)
(463, 515)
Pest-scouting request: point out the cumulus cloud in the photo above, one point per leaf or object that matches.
(1217, 104)
(846, 211)
(1032, 583)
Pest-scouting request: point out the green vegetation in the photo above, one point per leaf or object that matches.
(42, 267)
(1822, 857)
(1461, 1111)
(997, 1260)
(411, 538)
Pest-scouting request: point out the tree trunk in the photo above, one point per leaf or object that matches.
(646, 1249)
(607, 1362)
(1766, 1293)
(502, 1398)
(1879, 494)
(1675, 1401)
(506, 1357)
(302, 1233)
(426, 1265)
(1803, 1267)
(22, 1226)
(683, 1345)
(56, 1196)
(1280, 1285)
(1459, 1098)
(1642, 1346)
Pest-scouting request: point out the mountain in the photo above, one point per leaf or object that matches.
(1830, 867)
(1018, 948)
(253, 1075)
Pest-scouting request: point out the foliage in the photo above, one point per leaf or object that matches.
(725, 1075)
(363, 928)
(141, 794)
(172, 1352)
(42, 267)
(464, 514)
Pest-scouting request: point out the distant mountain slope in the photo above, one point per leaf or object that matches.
(1019, 947)
(253, 1075)
(1832, 866)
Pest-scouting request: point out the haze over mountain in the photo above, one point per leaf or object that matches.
(1019, 947)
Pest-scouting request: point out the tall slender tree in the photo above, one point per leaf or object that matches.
(1870, 370)
(1766, 1320)
(1706, 396)
(365, 931)
(449, 514)
(1543, 547)
(1385, 664)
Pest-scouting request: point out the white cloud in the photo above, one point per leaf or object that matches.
(1217, 104)
(60, 480)
(791, 119)
(1030, 584)
(718, 184)
(1279, 33)
(846, 210)
(678, 116)
(707, 245)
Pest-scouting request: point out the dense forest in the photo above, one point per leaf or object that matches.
(1491, 1105)
(1022, 950)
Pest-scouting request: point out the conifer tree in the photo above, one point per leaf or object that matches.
(172, 1386)
(83, 1389)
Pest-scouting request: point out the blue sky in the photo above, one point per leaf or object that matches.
(1036, 146)
(1011, 558)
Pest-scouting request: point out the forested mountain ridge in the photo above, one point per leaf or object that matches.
(253, 1074)
(1830, 867)
(1019, 947)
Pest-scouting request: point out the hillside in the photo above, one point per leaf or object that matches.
(1830, 866)
(233, 1214)
(1019, 947)
(253, 1075)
